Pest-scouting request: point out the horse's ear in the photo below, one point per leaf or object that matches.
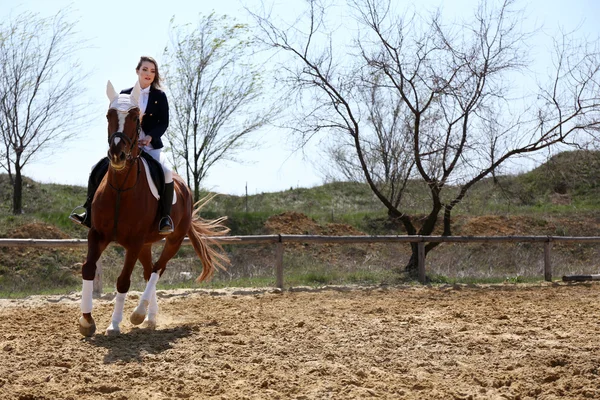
(135, 93)
(111, 92)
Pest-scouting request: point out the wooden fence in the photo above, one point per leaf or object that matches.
(280, 240)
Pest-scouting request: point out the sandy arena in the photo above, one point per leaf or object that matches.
(454, 342)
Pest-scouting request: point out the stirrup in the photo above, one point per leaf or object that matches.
(167, 227)
(78, 218)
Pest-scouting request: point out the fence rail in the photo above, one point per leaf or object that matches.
(280, 240)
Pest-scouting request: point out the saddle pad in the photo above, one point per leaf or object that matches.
(152, 185)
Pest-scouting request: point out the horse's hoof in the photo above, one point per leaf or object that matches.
(139, 314)
(113, 330)
(87, 328)
(150, 322)
(150, 325)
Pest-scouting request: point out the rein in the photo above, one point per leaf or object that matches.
(131, 160)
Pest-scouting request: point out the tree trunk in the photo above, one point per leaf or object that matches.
(412, 268)
(18, 192)
(413, 263)
(196, 188)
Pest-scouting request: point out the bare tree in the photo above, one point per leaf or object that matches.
(388, 150)
(39, 85)
(455, 87)
(216, 95)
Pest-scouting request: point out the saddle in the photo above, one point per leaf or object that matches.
(154, 168)
(156, 171)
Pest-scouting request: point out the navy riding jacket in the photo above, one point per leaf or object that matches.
(156, 117)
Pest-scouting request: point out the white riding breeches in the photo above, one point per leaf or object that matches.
(162, 159)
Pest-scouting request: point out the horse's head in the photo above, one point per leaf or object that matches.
(123, 125)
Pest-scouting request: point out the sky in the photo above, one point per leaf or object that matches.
(119, 32)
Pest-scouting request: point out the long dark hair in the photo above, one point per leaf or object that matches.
(157, 79)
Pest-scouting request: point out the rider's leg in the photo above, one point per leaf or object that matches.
(165, 226)
(98, 172)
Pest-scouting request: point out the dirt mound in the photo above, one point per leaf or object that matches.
(292, 223)
(295, 223)
(37, 231)
(497, 225)
(587, 226)
(341, 230)
(519, 225)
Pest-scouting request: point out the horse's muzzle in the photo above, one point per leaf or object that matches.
(117, 142)
(118, 160)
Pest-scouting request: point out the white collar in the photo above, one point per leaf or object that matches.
(146, 91)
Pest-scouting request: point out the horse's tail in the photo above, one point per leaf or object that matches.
(201, 234)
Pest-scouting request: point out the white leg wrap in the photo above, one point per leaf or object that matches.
(138, 315)
(153, 307)
(150, 319)
(150, 286)
(117, 316)
(86, 296)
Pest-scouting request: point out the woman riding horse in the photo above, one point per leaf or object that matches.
(125, 211)
(154, 115)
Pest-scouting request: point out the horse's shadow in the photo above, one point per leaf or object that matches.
(138, 344)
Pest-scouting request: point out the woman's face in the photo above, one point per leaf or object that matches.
(146, 74)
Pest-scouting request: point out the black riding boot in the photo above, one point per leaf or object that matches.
(165, 226)
(96, 176)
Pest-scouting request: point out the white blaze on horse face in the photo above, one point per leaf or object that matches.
(122, 115)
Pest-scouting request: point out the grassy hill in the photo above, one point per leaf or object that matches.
(559, 197)
(42, 203)
(568, 183)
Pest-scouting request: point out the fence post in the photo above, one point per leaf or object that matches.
(421, 264)
(547, 263)
(97, 291)
(279, 264)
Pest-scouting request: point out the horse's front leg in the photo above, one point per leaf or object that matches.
(123, 283)
(96, 245)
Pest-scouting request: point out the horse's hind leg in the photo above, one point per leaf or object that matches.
(172, 245)
(148, 306)
(146, 260)
(145, 307)
(123, 283)
(117, 316)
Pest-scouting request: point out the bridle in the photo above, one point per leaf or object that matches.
(126, 138)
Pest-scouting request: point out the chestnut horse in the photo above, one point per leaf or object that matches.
(125, 211)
